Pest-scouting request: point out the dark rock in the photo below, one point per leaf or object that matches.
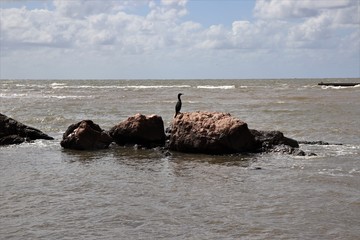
(147, 131)
(210, 132)
(85, 135)
(11, 139)
(298, 152)
(14, 132)
(274, 141)
(269, 139)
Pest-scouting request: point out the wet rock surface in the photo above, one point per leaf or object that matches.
(85, 135)
(147, 131)
(14, 132)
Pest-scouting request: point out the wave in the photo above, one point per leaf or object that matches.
(68, 97)
(159, 86)
(25, 95)
(122, 87)
(332, 150)
(13, 95)
(30, 86)
(340, 87)
(217, 87)
(58, 84)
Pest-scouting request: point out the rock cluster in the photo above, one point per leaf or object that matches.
(195, 132)
(14, 132)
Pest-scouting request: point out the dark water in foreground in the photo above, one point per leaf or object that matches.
(47, 192)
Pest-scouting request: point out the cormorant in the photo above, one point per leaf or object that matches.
(178, 105)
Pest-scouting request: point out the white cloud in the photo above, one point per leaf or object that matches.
(280, 9)
(105, 32)
(84, 8)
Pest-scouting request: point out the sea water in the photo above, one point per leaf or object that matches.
(47, 192)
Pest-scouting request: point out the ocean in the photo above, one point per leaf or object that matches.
(47, 192)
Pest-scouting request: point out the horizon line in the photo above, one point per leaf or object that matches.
(152, 79)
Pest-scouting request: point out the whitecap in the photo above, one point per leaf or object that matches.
(158, 86)
(123, 87)
(14, 95)
(68, 97)
(57, 84)
(339, 87)
(225, 87)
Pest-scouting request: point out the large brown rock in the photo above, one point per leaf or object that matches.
(147, 131)
(210, 132)
(14, 132)
(85, 135)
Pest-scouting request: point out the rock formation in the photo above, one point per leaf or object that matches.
(85, 135)
(147, 131)
(210, 132)
(275, 141)
(14, 132)
(266, 140)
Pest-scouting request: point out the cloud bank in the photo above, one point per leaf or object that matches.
(151, 39)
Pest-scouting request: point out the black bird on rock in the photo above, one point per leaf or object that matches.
(178, 105)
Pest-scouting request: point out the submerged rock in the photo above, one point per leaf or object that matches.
(14, 132)
(210, 132)
(318, 143)
(85, 135)
(147, 131)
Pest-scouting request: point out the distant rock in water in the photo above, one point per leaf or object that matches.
(147, 131)
(318, 143)
(85, 135)
(14, 132)
(210, 132)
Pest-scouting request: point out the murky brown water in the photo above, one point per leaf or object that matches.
(47, 192)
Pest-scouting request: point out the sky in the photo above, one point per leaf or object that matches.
(179, 39)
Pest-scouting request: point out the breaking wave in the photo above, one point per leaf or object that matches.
(217, 87)
(121, 87)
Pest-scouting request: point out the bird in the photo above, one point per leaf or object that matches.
(178, 105)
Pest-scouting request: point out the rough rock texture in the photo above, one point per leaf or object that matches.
(268, 139)
(147, 131)
(85, 135)
(210, 132)
(276, 142)
(14, 132)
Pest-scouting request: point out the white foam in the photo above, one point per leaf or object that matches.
(57, 84)
(122, 87)
(340, 87)
(158, 86)
(14, 95)
(69, 97)
(217, 87)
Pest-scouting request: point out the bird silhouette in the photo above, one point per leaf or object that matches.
(178, 105)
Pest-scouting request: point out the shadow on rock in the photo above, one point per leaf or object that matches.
(14, 132)
(85, 135)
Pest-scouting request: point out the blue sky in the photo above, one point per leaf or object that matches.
(181, 39)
